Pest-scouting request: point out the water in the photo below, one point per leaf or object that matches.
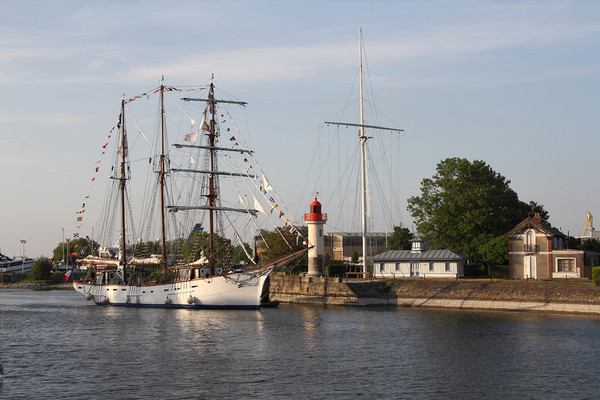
(56, 345)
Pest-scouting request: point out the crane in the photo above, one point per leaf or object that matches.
(589, 224)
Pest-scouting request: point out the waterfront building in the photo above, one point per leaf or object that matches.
(418, 262)
(537, 251)
(341, 245)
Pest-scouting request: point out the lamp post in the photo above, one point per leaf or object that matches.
(23, 256)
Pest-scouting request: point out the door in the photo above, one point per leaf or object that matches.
(414, 269)
(530, 267)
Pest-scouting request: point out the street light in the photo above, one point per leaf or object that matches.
(23, 256)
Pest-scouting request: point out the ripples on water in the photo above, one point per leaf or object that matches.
(56, 345)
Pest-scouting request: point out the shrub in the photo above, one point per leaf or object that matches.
(41, 270)
(336, 269)
(596, 275)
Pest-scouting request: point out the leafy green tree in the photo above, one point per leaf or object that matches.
(41, 270)
(572, 242)
(354, 257)
(465, 205)
(400, 239)
(535, 208)
(81, 247)
(275, 246)
(591, 244)
(494, 252)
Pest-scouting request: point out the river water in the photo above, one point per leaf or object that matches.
(56, 345)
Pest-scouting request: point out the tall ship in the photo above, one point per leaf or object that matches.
(206, 193)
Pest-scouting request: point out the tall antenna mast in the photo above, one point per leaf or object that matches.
(363, 155)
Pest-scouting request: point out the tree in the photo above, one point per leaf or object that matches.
(279, 243)
(400, 239)
(81, 247)
(465, 205)
(592, 244)
(41, 270)
(535, 208)
(494, 251)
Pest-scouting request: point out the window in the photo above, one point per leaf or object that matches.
(397, 266)
(447, 267)
(565, 265)
(381, 267)
(430, 267)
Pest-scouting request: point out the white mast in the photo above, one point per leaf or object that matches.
(363, 158)
(363, 155)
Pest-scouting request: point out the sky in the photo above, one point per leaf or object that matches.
(513, 83)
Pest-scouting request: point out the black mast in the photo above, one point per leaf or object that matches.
(161, 179)
(211, 179)
(122, 180)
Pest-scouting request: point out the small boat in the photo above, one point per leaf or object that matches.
(205, 277)
(17, 264)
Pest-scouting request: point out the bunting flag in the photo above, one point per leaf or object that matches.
(281, 214)
(68, 274)
(232, 138)
(96, 169)
(74, 254)
(268, 186)
(293, 230)
(304, 243)
(191, 137)
(258, 207)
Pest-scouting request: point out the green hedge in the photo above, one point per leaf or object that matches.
(596, 275)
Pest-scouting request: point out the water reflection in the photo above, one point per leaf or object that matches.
(51, 338)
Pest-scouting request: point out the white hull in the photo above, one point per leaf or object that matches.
(234, 290)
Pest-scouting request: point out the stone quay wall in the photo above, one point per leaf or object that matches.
(572, 297)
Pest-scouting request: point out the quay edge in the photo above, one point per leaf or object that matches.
(574, 297)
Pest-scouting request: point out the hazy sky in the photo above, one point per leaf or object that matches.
(514, 83)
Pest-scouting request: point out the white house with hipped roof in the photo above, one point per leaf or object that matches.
(418, 262)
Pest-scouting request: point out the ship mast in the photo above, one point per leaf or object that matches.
(211, 178)
(161, 178)
(122, 180)
(363, 155)
(213, 173)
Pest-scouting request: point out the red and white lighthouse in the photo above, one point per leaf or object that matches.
(315, 221)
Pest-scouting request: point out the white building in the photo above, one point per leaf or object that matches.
(418, 262)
